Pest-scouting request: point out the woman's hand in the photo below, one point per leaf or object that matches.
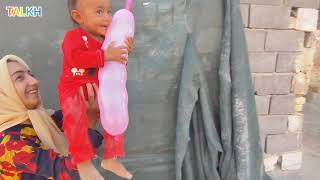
(91, 104)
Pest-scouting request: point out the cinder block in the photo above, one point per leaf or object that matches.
(262, 61)
(255, 39)
(307, 19)
(291, 161)
(286, 62)
(282, 143)
(244, 1)
(262, 104)
(282, 104)
(270, 162)
(267, 2)
(284, 40)
(253, 78)
(266, 16)
(245, 14)
(272, 84)
(273, 124)
(263, 142)
(303, 3)
(295, 123)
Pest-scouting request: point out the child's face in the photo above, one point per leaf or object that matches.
(94, 16)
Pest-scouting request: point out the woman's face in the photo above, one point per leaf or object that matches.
(26, 85)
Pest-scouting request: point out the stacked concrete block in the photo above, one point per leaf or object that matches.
(291, 161)
(282, 104)
(295, 122)
(271, 84)
(267, 124)
(262, 104)
(314, 4)
(307, 19)
(265, 16)
(286, 62)
(262, 62)
(255, 39)
(281, 37)
(284, 40)
(245, 14)
(270, 162)
(281, 143)
(267, 2)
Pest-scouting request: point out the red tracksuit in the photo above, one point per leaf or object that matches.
(82, 56)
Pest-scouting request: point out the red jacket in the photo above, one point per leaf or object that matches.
(82, 58)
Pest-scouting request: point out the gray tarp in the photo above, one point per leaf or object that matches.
(217, 135)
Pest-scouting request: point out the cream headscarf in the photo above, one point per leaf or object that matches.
(13, 112)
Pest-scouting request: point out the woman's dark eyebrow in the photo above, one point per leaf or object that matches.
(20, 71)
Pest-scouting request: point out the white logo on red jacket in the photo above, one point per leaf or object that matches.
(77, 72)
(85, 39)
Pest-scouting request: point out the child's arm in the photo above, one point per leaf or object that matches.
(79, 56)
(117, 53)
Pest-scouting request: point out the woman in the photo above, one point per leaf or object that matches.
(31, 144)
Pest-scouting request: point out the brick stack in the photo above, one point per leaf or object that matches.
(281, 37)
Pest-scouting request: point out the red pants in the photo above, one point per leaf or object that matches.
(75, 125)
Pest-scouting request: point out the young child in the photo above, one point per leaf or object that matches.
(82, 57)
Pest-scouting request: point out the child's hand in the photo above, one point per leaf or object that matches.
(118, 53)
(129, 43)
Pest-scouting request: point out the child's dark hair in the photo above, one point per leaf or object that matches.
(72, 4)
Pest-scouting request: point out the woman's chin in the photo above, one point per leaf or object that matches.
(34, 104)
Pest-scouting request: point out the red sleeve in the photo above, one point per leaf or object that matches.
(78, 55)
